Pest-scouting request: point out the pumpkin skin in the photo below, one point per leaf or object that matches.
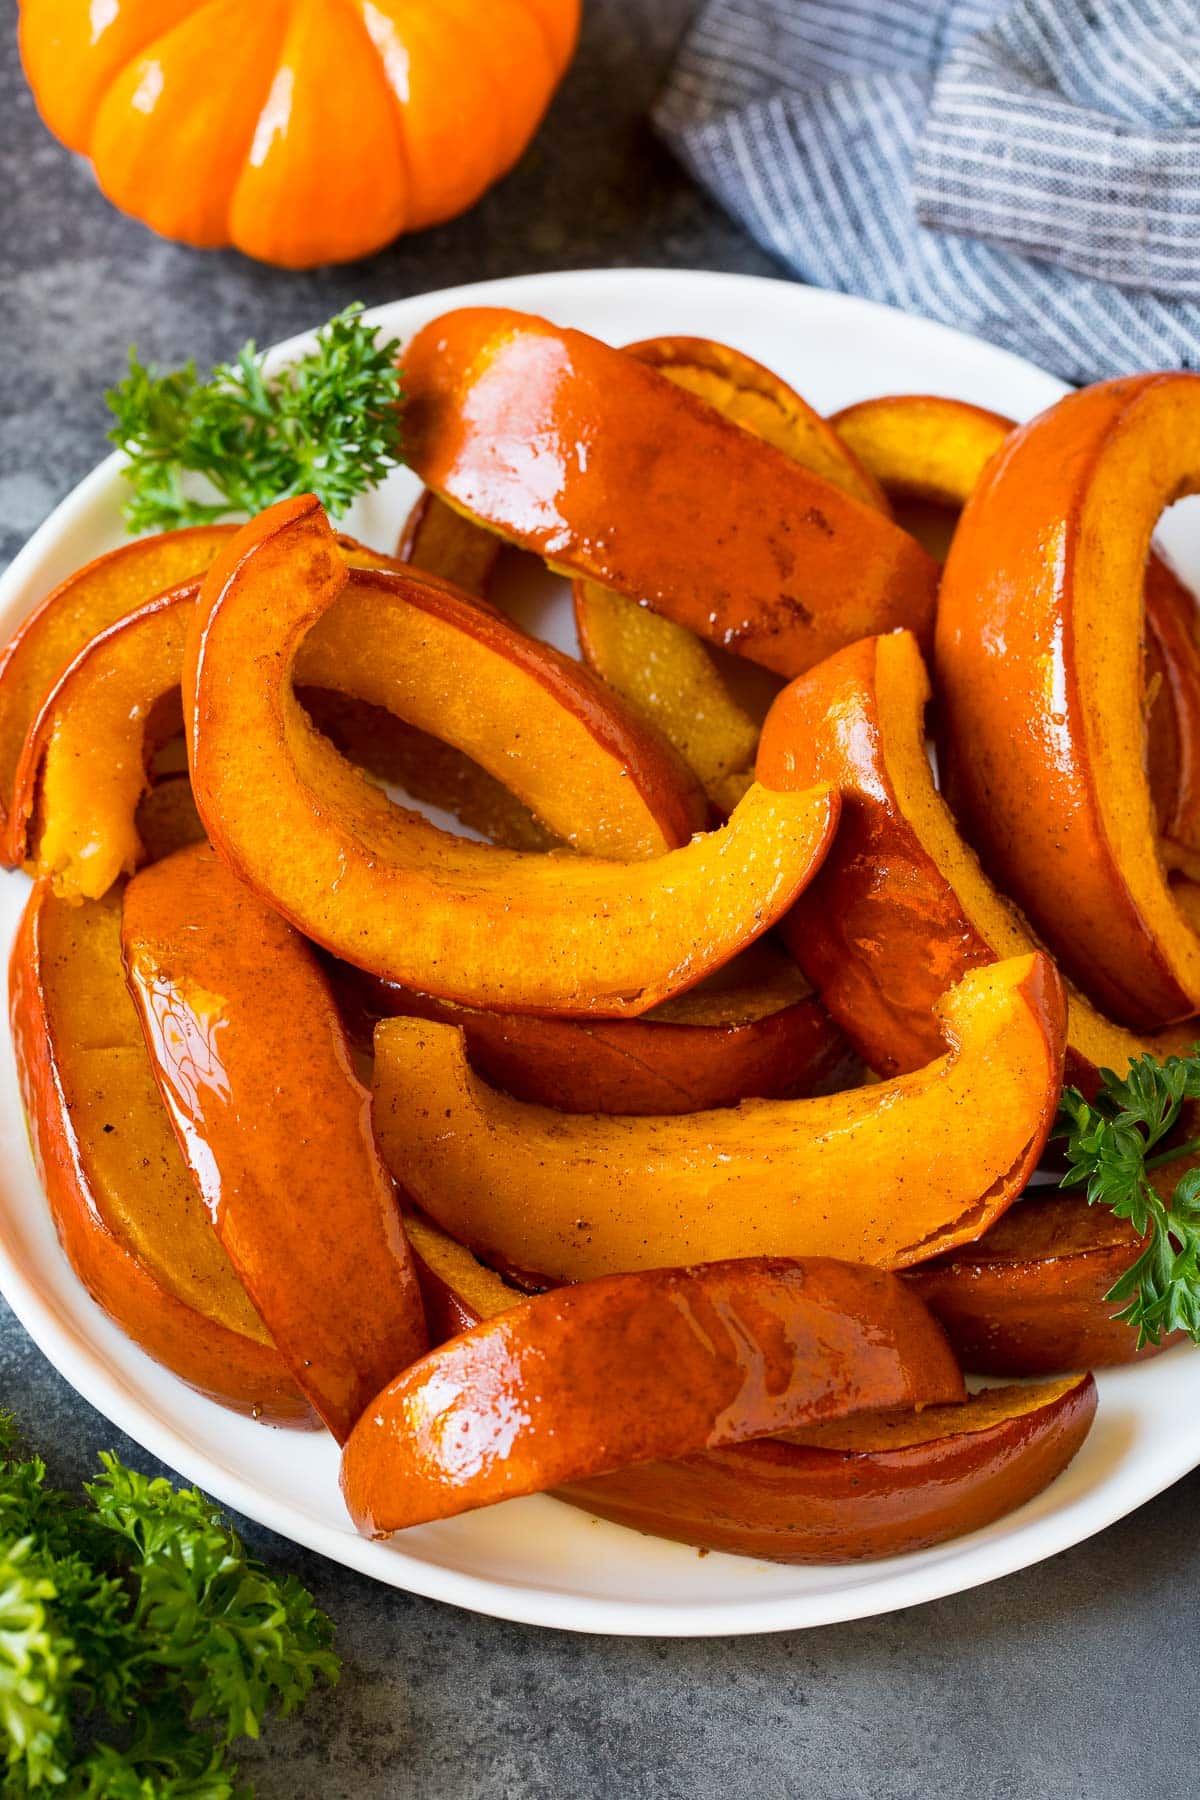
(299, 131)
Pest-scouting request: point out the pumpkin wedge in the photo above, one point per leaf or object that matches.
(593, 774)
(638, 485)
(762, 1032)
(1039, 672)
(846, 1174)
(659, 666)
(922, 446)
(87, 602)
(635, 1367)
(1031, 1298)
(930, 448)
(131, 1222)
(256, 1074)
(873, 1485)
(442, 542)
(390, 893)
(901, 909)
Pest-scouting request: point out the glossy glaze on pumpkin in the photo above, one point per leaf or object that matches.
(595, 775)
(765, 1034)
(901, 909)
(850, 1175)
(394, 895)
(661, 667)
(1031, 1297)
(257, 1076)
(217, 121)
(587, 1379)
(888, 1482)
(614, 474)
(87, 602)
(126, 1212)
(1039, 636)
(935, 449)
(861, 1488)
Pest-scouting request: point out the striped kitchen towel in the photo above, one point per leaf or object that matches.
(1029, 172)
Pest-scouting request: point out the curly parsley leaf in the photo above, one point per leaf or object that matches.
(328, 425)
(1110, 1141)
(138, 1640)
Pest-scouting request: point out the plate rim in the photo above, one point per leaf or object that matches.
(910, 1581)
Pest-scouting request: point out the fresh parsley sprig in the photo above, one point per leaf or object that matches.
(329, 425)
(1111, 1142)
(138, 1640)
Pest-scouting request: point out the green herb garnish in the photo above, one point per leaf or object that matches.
(1110, 1145)
(328, 425)
(138, 1640)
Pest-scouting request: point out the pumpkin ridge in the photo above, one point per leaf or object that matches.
(144, 49)
(285, 16)
(394, 101)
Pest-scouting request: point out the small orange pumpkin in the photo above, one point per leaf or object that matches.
(300, 131)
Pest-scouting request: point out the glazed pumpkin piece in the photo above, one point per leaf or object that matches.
(1048, 778)
(89, 601)
(127, 1214)
(82, 608)
(593, 775)
(922, 446)
(933, 449)
(1031, 1298)
(668, 674)
(216, 122)
(662, 668)
(901, 909)
(860, 1488)
(646, 490)
(390, 893)
(873, 1485)
(762, 1032)
(659, 1364)
(256, 1075)
(1172, 704)
(846, 1174)
(589, 769)
(444, 543)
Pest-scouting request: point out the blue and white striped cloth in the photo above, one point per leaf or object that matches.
(1029, 172)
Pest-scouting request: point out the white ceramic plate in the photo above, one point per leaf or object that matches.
(537, 1560)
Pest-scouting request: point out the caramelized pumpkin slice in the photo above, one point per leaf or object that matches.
(922, 446)
(89, 601)
(128, 1216)
(847, 1174)
(901, 909)
(397, 897)
(662, 668)
(444, 543)
(1045, 577)
(877, 1484)
(763, 1034)
(645, 489)
(660, 1364)
(595, 776)
(934, 449)
(256, 1075)
(1031, 1298)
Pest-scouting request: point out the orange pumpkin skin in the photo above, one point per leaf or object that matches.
(217, 122)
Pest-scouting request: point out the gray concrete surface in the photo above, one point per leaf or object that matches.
(1073, 1681)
